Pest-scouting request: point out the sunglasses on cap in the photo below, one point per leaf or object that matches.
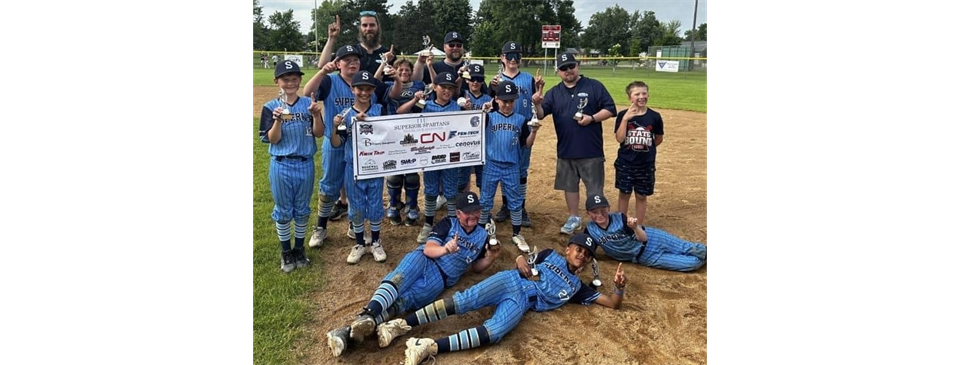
(567, 67)
(512, 56)
(368, 13)
(476, 79)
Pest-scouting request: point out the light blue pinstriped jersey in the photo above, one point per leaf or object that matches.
(472, 247)
(296, 134)
(478, 102)
(503, 137)
(524, 82)
(374, 111)
(339, 97)
(618, 241)
(557, 284)
(433, 107)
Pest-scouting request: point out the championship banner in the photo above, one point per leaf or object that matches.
(405, 143)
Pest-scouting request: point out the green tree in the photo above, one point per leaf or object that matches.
(669, 34)
(451, 16)
(285, 32)
(324, 15)
(701, 33)
(608, 27)
(261, 39)
(499, 21)
(412, 23)
(647, 29)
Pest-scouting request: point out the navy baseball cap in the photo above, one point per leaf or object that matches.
(566, 58)
(582, 239)
(468, 202)
(507, 90)
(445, 78)
(363, 77)
(597, 201)
(476, 70)
(452, 37)
(346, 51)
(286, 67)
(510, 47)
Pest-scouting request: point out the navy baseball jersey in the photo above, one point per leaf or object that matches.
(557, 284)
(638, 148)
(409, 90)
(442, 66)
(573, 140)
(371, 61)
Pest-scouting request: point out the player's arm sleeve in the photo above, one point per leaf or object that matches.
(547, 104)
(542, 255)
(440, 232)
(524, 133)
(625, 228)
(323, 91)
(266, 122)
(658, 125)
(586, 295)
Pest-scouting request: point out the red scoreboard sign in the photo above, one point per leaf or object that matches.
(551, 33)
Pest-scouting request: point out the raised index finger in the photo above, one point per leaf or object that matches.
(538, 73)
(620, 268)
(338, 20)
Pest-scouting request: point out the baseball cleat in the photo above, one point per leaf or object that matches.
(573, 224)
(502, 215)
(521, 243)
(412, 216)
(337, 340)
(424, 233)
(339, 210)
(390, 330)
(287, 261)
(525, 220)
(377, 249)
(356, 253)
(393, 213)
(316, 240)
(300, 257)
(362, 327)
(418, 349)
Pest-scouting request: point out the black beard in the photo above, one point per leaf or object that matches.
(370, 42)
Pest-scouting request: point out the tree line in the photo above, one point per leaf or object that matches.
(485, 29)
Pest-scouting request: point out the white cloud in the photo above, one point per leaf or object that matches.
(665, 10)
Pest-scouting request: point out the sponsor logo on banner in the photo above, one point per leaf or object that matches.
(371, 153)
(454, 156)
(424, 161)
(408, 140)
(453, 133)
(369, 166)
(467, 156)
(427, 138)
(366, 129)
(390, 165)
(435, 159)
(475, 121)
(421, 150)
(367, 142)
(408, 161)
(467, 144)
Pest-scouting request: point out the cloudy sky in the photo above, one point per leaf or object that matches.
(666, 10)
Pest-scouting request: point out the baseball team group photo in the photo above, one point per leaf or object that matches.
(436, 185)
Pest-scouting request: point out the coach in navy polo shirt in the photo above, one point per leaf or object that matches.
(579, 141)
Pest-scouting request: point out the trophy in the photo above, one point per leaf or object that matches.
(465, 74)
(579, 114)
(492, 233)
(387, 69)
(532, 259)
(534, 121)
(343, 124)
(426, 46)
(426, 94)
(496, 79)
(596, 274)
(285, 113)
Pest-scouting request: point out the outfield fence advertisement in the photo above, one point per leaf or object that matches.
(405, 143)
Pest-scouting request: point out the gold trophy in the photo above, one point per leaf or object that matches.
(579, 114)
(285, 113)
(426, 95)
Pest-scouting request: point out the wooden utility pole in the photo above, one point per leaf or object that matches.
(693, 33)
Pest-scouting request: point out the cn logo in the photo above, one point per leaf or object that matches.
(433, 137)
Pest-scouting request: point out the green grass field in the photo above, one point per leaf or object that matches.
(681, 91)
(280, 307)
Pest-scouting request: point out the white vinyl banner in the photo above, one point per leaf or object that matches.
(405, 143)
(668, 66)
(295, 58)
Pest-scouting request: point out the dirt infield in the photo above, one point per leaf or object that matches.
(664, 314)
